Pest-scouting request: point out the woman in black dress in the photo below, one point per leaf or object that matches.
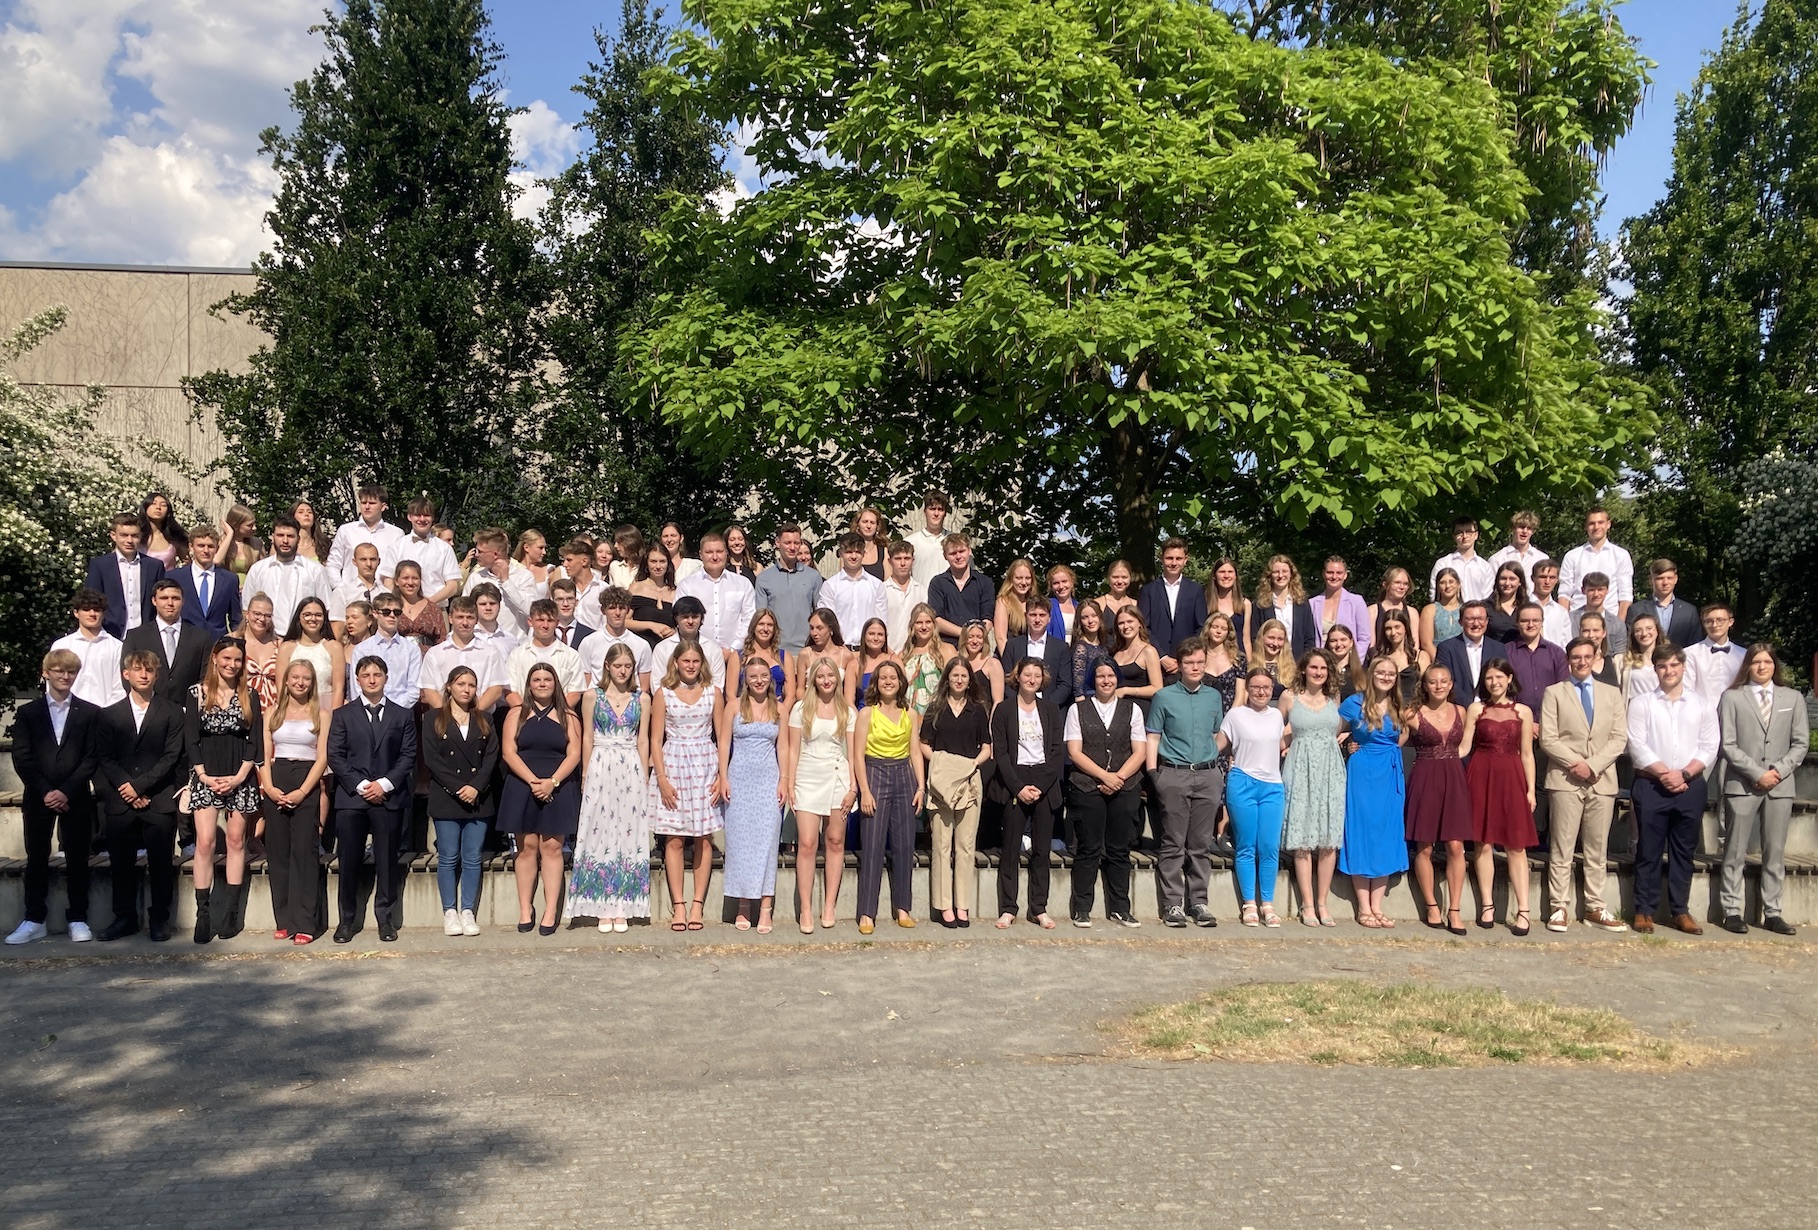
(223, 731)
(653, 596)
(1508, 595)
(541, 801)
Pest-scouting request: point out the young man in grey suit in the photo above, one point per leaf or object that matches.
(1583, 729)
(1765, 732)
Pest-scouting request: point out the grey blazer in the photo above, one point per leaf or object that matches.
(1751, 748)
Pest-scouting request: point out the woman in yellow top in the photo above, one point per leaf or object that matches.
(890, 793)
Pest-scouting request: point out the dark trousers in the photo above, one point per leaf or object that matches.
(386, 828)
(1038, 818)
(892, 786)
(1189, 801)
(1667, 824)
(156, 834)
(291, 865)
(77, 828)
(1104, 826)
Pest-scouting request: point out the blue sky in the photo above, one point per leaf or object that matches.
(128, 128)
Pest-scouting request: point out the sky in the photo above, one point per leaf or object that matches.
(129, 128)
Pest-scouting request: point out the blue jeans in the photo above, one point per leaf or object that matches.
(459, 839)
(1256, 809)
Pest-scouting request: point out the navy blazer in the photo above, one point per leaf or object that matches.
(581, 633)
(223, 601)
(1166, 631)
(1686, 629)
(1057, 656)
(357, 753)
(1305, 634)
(44, 765)
(104, 575)
(1451, 655)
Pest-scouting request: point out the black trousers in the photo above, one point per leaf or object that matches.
(1667, 824)
(1038, 818)
(1104, 826)
(77, 828)
(156, 834)
(386, 828)
(291, 866)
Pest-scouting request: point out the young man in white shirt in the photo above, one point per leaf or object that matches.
(902, 593)
(462, 649)
(727, 598)
(441, 571)
(1598, 554)
(852, 594)
(96, 649)
(1520, 550)
(1556, 616)
(577, 566)
(1673, 738)
(371, 527)
(1476, 575)
(286, 577)
(688, 627)
(362, 588)
(543, 647)
(1711, 665)
(516, 584)
(403, 659)
(929, 542)
(615, 609)
(487, 628)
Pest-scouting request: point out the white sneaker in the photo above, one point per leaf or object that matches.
(451, 922)
(468, 925)
(27, 932)
(79, 933)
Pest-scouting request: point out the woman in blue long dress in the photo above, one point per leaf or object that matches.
(748, 785)
(1375, 847)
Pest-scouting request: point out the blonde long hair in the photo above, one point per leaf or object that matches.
(1015, 621)
(313, 704)
(1282, 664)
(672, 678)
(842, 716)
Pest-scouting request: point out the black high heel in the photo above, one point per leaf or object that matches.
(1486, 917)
(1460, 928)
(1427, 911)
(1521, 930)
(547, 928)
(526, 928)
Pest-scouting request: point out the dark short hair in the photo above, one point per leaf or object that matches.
(121, 520)
(788, 527)
(1576, 641)
(1032, 603)
(689, 605)
(1662, 565)
(899, 546)
(564, 584)
(371, 659)
(577, 546)
(1192, 645)
(372, 491)
(851, 542)
(1666, 651)
(1479, 603)
(164, 583)
(463, 602)
(1176, 543)
(1463, 523)
(937, 499)
(543, 606)
(87, 599)
(486, 589)
(1719, 605)
(1594, 580)
(1525, 607)
(284, 521)
(421, 506)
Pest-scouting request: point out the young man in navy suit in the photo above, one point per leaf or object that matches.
(1173, 605)
(138, 771)
(1050, 651)
(1465, 655)
(125, 577)
(211, 595)
(55, 752)
(372, 751)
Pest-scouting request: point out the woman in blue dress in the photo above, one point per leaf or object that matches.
(749, 786)
(1375, 848)
(763, 643)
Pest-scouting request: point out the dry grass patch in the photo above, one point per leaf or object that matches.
(1406, 1025)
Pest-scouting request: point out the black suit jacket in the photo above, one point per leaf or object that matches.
(104, 575)
(1011, 777)
(1057, 656)
(1303, 636)
(175, 679)
(581, 633)
(223, 601)
(454, 762)
(1189, 618)
(1686, 629)
(1451, 655)
(45, 765)
(150, 757)
(356, 753)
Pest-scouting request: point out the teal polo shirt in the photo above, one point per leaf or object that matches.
(1188, 722)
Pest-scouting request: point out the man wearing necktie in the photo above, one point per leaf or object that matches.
(211, 594)
(372, 751)
(1582, 732)
(181, 648)
(1764, 734)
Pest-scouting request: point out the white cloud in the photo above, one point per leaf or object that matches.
(53, 82)
(542, 144)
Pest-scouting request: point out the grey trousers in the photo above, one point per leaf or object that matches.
(1189, 805)
(1745, 814)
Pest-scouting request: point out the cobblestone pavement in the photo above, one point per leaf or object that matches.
(917, 1084)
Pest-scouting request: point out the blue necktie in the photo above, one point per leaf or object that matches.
(205, 588)
(1584, 694)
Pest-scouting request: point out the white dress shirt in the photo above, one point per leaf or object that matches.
(1556, 623)
(854, 601)
(1474, 656)
(930, 556)
(593, 654)
(287, 585)
(566, 661)
(129, 589)
(1476, 576)
(1709, 669)
(59, 714)
(435, 557)
(1672, 732)
(498, 640)
(587, 601)
(340, 561)
(1609, 559)
(139, 711)
(1070, 732)
(1172, 589)
(355, 590)
(207, 582)
(516, 592)
(374, 714)
(665, 650)
(899, 600)
(1284, 614)
(98, 682)
(730, 601)
(476, 655)
(1526, 560)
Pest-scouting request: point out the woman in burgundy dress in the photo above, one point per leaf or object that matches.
(1439, 801)
(1500, 734)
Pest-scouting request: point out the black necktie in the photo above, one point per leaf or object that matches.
(372, 721)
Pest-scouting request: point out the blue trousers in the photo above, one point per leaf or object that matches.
(1256, 809)
(458, 842)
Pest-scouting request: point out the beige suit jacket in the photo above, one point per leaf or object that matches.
(1566, 738)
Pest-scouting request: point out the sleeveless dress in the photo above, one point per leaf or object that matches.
(1314, 775)
(1409, 682)
(823, 770)
(227, 738)
(1500, 814)
(1225, 683)
(1446, 624)
(262, 680)
(924, 674)
(318, 657)
(692, 763)
(1086, 657)
(611, 876)
(1374, 793)
(542, 746)
(652, 611)
(1134, 675)
(1439, 801)
(754, 818)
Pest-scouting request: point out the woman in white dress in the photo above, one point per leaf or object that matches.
(685, 770)
(822, 788)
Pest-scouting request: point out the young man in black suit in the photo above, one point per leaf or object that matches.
(125, 577)
(54, 753)
(1050, 651)
(372, 751)
(181, 649)
(1173, 605)
(137, 775)
(211, 594)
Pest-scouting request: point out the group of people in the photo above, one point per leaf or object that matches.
(302, 692)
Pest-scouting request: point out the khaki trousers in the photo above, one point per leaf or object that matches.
(952, 869)
(1578, 815)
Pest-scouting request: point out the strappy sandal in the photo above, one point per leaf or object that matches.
(1521, 917)
(741, 923)
(1325, 920)
(1309, 917)
(1366, 919)
(1486, 917)
(1270, 918)
(1248, 915)
(1460, 928)
(700, 904)
(1385, 922)
(678, 923)
(1427, 910)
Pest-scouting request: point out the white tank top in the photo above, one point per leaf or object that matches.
(294, 740)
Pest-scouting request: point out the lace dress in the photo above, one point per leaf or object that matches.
(1498, 783)
(1439, 801)
(692, 764)
(220, 741)
(611, 876)
(1314, 775)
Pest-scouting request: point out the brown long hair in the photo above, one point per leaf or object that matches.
(481, 722)
(211, 679)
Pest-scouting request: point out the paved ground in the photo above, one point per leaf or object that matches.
(926, 1081)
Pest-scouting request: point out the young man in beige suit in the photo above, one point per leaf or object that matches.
(1765, 735)
(1583, 729)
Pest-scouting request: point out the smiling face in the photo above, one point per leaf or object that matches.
(1225, 577)
(1383, 675)
(1496, 684)
(1118, 580)
(1336, 576)
(1316, 673)
(1281, 573)
(671, 538)
(757, 680)
(1475, 621)
(312, 618)
(763, 631)
(1340, 643)
(230, 661)
(1104, 681)
(735, 541)
(974, 641)
(258, 617)
(541, 685)
(1597, 527)
(1129, 625)
(1436, 685)
(300, 682)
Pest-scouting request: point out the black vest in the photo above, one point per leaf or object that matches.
(1106, 746)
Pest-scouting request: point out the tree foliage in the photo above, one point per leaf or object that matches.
(1119, 266)
(1777, 541)
(399, 290)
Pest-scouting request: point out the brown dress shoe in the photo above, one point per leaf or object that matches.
(1644, 924)
(1687, 924)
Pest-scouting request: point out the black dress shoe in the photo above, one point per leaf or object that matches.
(159, 932)
(1778, 925)
(388, 933)
(119, 929)
(1733, 923)
(344, 933)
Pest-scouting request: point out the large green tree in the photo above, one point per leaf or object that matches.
(1723, 319)
(1121, 268)
(399, 291)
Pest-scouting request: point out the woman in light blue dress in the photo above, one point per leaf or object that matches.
(1375, 847)
(748, 785)
(1314, 774)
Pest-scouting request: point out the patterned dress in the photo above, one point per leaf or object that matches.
(754, 818)
(924, 674)
(611, 877)
(692, 764)
(1315, 777)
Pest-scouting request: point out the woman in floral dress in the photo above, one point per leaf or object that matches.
(685, 767)
(611, 876)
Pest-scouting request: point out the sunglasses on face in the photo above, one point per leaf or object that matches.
(388, 610)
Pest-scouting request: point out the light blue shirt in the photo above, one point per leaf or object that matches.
(403, 665)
